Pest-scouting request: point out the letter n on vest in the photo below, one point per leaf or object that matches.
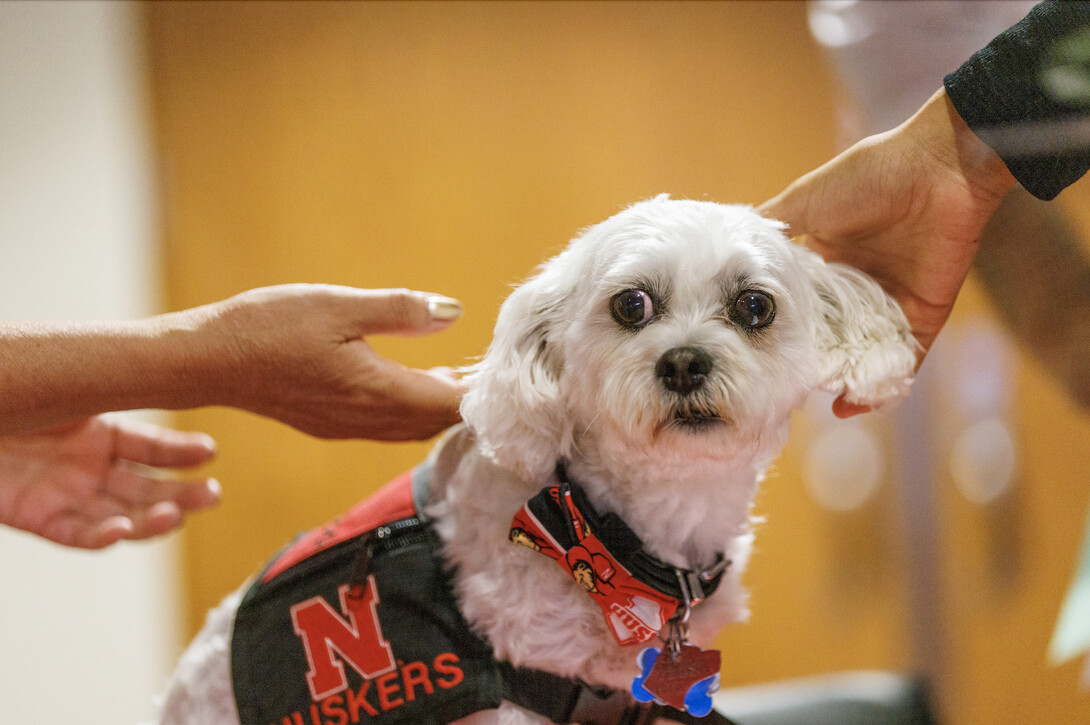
(328, 639)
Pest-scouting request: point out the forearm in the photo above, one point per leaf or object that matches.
(51, 372)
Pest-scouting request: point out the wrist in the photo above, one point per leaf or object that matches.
(946, 136)
(202, 360)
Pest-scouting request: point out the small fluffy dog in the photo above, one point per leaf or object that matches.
(634, 394)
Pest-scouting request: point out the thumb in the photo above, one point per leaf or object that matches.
(405, 312)
(787, 208)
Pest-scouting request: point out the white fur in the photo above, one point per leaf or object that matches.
(562, 379)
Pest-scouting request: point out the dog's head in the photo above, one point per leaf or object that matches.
(681, 328)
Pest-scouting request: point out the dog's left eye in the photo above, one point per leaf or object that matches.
(753, 309)
(632, 308)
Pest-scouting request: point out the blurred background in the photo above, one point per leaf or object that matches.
(159, 156)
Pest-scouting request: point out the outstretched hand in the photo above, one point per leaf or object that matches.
(908, 207)
(299, 353)
(94, 482)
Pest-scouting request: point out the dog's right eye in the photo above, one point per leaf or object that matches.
(632, 308)
(753, 310)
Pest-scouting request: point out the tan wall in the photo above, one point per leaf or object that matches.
(452, 147)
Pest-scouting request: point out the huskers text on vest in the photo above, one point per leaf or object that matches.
(353, 637)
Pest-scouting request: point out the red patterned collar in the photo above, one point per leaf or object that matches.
(637, 592)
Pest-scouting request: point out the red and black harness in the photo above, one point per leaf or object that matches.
(356, 622)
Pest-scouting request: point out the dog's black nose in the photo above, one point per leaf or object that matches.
(683, 369)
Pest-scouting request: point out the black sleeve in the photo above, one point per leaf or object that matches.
(1012, 94)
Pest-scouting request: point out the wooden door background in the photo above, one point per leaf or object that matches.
(452, 147)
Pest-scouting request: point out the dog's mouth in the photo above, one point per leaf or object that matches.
(694, 420)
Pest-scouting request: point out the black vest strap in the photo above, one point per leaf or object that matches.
(712, 718)
(564, 700)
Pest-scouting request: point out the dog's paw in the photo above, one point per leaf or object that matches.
(882, 375)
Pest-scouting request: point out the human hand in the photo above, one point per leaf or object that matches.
(91, 483)
(907, 207)
(298, 353)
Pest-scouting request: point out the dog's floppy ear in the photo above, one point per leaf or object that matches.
(514, 405)
(864, 341)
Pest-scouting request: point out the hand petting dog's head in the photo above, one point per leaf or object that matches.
(676, 332)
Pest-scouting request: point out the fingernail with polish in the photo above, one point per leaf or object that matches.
(444, 308)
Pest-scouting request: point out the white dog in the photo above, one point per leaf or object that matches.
(635, 392)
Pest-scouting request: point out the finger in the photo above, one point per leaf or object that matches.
(139, 523)
(772, 207)
(104, 533)
(153, 445)
(76, 530)
(454, 375)
(436, 391)
(137, 486)
(414, 405)
(199, 495)
(792, 205)
(104, 521)
(404, 312)
(780, 208)
(156, 520)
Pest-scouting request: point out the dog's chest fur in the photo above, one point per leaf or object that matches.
(528, 608)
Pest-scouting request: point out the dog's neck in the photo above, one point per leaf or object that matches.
(685, 508)
(578, 518)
